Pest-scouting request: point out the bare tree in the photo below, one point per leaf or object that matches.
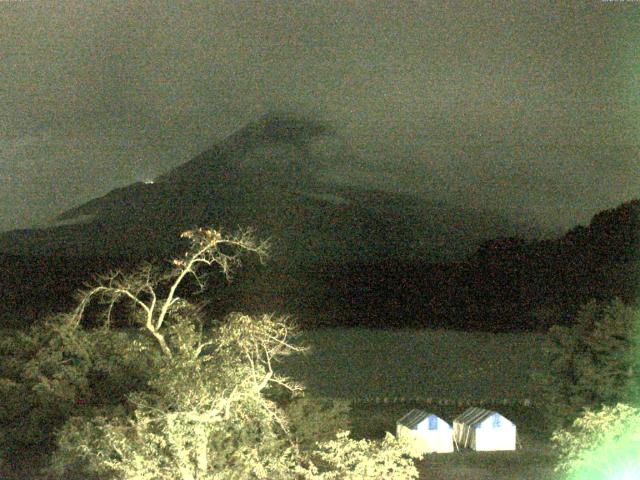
(259, 343)
(142, 288)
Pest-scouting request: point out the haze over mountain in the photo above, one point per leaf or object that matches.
(268, 175)
(527, 108)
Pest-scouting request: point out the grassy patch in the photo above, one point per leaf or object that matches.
(436, 364)
(529, 463)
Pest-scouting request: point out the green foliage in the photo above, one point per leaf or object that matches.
(313, 420)
(347, 459)
(44, 378)
(600, 444)
(124, 361)
(57, 369)
(204, 414)
(171, 400)
(592, 363)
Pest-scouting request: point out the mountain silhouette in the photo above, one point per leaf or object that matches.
(265, 176)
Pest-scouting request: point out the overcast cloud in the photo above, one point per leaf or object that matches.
(528, 107)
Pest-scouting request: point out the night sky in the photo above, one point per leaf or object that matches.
(530, 108)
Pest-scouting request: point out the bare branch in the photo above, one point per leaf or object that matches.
(208, 247)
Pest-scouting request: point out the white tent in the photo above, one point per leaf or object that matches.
(484, 430)
(424, 432)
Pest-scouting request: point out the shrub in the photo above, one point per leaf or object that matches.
(346, 459)
(600, 444)
(56, 370)
(44, 377)
(313, 419)
(592, 363)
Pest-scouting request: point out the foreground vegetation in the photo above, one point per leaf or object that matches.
(179, 398)
(136, 382)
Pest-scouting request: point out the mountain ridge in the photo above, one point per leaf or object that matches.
(265, 175)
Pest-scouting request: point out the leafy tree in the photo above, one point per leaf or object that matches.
(317, 419)
(592, 363)
(208, 408)
(347, 459)
(600, 444)
(205, 411)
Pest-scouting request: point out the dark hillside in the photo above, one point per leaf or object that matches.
(341, 254)
(507, 284)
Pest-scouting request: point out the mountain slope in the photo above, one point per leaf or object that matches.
(342, 255)
(263, 176)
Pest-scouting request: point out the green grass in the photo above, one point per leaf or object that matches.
(436, 364)
(534, 462)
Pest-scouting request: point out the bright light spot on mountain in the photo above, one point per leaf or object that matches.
(148, 181)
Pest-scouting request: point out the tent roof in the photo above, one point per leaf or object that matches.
(414, 418)
(474, 415)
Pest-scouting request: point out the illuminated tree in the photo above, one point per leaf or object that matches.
(209, 408)
(600, 445)
(141, 289)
